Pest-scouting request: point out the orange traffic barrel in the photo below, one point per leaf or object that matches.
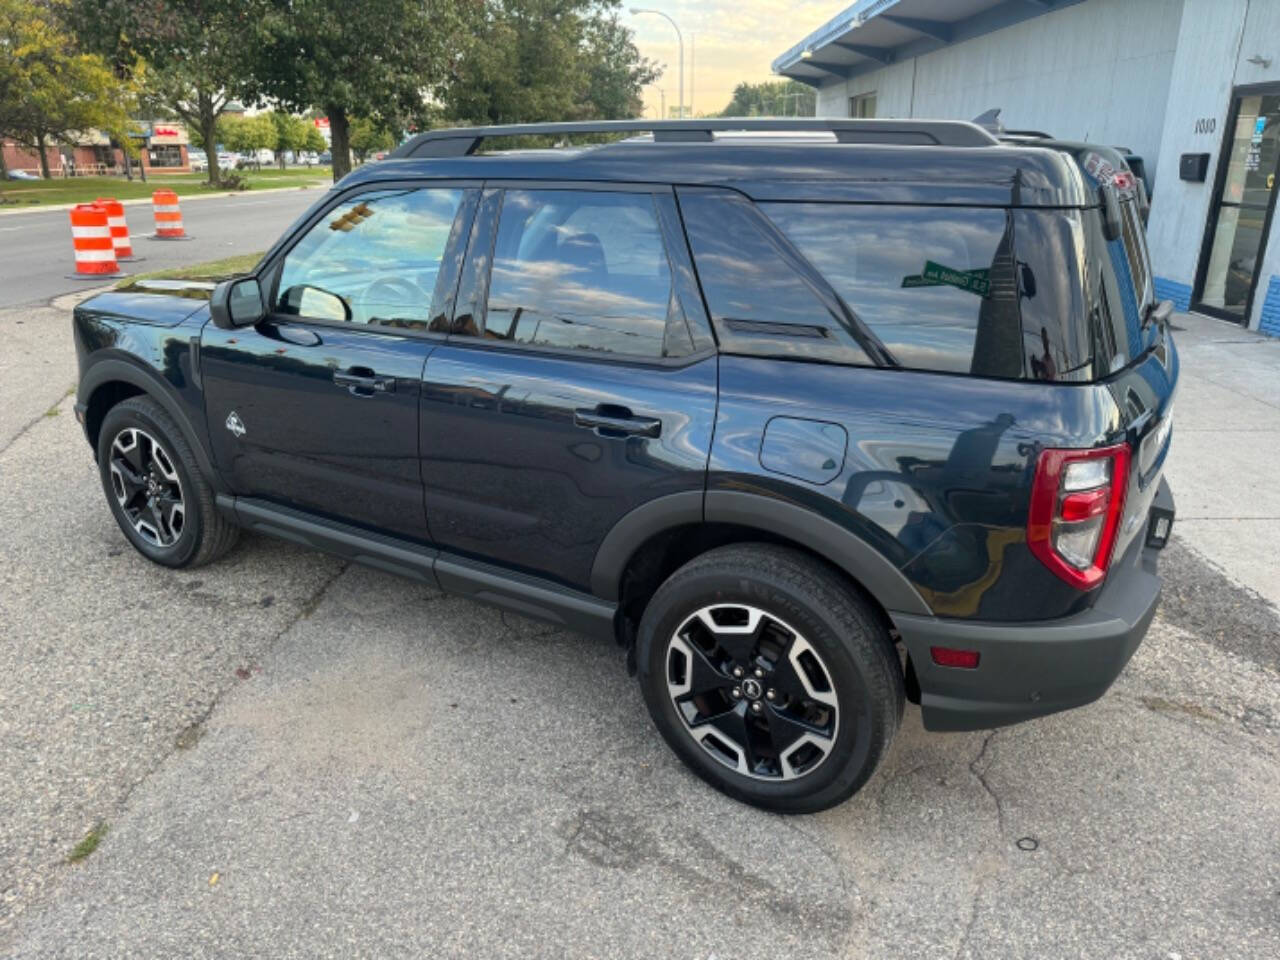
(168, 216)
(119, 228)
(91, 237)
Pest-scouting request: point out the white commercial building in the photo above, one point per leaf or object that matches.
(1191, 86)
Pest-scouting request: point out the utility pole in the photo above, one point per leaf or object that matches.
(692, 51)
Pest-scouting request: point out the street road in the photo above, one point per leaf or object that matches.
(36, 254)
(296, 757)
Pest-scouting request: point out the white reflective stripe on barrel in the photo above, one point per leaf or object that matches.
(95, 233)
(166, 208)
(95, 256)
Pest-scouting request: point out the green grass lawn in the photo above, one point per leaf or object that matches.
(16, 193)
(209, 270)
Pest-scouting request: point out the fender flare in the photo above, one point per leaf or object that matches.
(834, 543)
(112, 370)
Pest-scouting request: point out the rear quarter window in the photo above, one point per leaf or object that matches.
(936, 285)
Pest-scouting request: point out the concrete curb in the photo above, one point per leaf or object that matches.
(138, 201)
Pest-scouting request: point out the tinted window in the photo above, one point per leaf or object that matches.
(763, 296)
(935, 285)
(583, 270)
(373, 260)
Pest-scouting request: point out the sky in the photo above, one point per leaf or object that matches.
(732, 42)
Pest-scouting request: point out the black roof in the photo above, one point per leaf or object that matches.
(778, 160)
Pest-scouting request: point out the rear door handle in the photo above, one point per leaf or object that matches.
(617, 423)
(363, 382)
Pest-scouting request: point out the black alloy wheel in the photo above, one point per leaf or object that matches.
(752, 691)
(147, 487)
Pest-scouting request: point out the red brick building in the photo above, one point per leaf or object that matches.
(165, 150)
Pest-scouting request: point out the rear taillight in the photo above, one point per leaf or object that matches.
(1077, 501)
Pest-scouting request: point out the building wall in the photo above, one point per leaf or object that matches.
(1097, 70)
(1215, 41)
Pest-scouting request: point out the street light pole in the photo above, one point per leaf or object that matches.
(636, 11)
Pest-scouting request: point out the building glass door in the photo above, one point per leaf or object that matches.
(1242, 208)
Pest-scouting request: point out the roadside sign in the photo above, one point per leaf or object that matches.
(974, 281)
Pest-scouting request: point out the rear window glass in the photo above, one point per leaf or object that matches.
(936, 285)
(1034, 294)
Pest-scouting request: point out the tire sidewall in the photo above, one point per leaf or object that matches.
(135, 415)
(856, 738)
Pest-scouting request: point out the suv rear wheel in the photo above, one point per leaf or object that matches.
(769, 677)
(155, 489)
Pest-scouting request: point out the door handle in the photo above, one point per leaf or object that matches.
(363, 382)
(617, 422)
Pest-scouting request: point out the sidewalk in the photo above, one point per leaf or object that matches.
(1225, 460)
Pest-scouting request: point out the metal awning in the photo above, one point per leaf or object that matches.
(875, 33)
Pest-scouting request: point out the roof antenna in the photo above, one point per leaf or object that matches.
(990, 121)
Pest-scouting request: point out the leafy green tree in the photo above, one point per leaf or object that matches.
(291, 134)
(315, 141)
(197, 51)
(51, 92)
(541, 60)
(248, 135)
(382, 59)
(368, 137)
(780, 98)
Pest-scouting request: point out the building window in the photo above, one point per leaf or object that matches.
(863, 106)
(166, 155)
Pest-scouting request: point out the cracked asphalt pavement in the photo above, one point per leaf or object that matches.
(294, 757)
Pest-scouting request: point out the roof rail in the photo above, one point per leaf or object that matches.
(1033, 134)
(464, 141)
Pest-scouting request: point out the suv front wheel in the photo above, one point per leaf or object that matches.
(163, 504)
(770, 677)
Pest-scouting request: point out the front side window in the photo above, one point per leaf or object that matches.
(583, 270)
(372, 260)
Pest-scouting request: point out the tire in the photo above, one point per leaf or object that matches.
(143, 459)
(808, 730)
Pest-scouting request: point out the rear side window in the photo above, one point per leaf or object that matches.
(583, 270)
(935, 285)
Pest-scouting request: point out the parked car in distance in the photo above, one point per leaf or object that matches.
(805, 451)
(228, 161)
(325, 159)
(23, 175)
(198, 160)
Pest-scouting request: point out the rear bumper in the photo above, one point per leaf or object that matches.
(1028, 670)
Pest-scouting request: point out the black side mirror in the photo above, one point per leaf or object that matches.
(1110, 204)
(237, 303)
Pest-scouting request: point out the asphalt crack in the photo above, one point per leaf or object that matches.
(981, 777)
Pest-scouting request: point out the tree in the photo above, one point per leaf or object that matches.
(382, 60)
(368, 137)
(616, 73)
(315, 141)
(49, 90)
(539, 60)
(779, 98)
(248, 135)
(291, 134)
(198, 52)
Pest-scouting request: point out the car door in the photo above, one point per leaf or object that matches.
(316, 407)
(578, 383)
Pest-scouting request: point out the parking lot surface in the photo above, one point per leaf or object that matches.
(294, 757)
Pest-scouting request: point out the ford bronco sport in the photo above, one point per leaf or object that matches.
(811, 416)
